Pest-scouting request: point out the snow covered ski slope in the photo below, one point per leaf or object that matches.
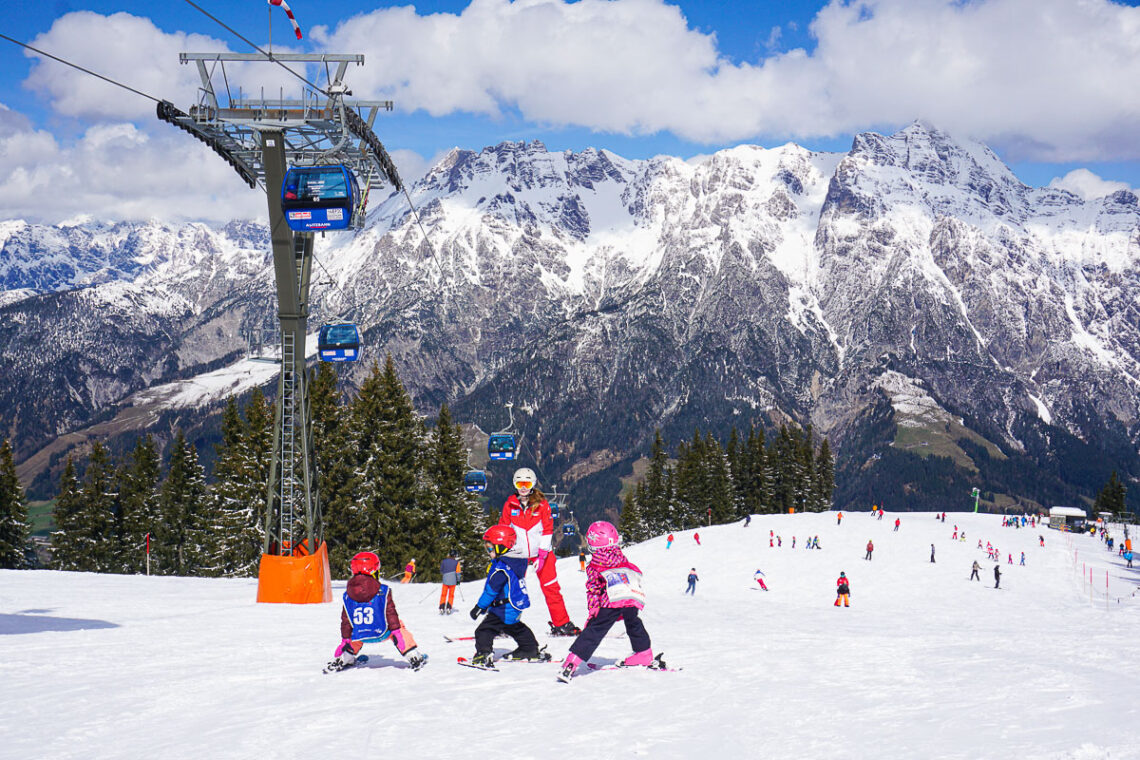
(924, 664)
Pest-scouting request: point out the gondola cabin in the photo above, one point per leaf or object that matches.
(568, 530)
(554, 510)
(501, 446)
(319, 198)
(338, 343)
(475, 481)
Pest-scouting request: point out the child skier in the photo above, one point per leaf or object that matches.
(759, 576)
(505, 597)
(409, 571)
(369, 615)
(613, 592)
(842, 591)
(692, 587)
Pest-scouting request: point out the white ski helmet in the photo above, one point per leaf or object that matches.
(524, 478)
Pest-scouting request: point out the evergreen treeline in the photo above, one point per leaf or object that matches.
(708, 482)
(387, 485)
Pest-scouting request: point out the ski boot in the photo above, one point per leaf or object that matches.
(569, 666)
(484, 660)
(443, 609)
(449, 609)
(530, 655)
(638, 658)
(566, 629)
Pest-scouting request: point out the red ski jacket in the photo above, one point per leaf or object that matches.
(534, 528)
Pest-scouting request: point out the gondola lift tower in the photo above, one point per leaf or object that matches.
(266, 140)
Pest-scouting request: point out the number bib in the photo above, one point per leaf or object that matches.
(623, 584)
(368, 619)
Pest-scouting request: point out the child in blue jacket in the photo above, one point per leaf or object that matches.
(504, 598)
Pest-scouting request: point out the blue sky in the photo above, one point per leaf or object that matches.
(1048, 84)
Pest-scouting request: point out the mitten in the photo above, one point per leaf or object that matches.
(476, 611)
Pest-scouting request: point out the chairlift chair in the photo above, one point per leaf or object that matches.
(318, 198)
(568, 530)
(338, 342)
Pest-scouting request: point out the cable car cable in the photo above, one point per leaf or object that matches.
(77, 66)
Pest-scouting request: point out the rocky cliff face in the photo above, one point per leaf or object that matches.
(906, 298)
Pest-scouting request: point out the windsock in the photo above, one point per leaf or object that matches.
(289, 13)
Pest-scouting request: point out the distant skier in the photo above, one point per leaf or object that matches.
(409, 571)
(1010, 560)
(697, 538)
(815, 542)
(997, 576)
(613, 593)
(1041, 539)
(368, 614)
(449, 569)
(668, 540)
(974, 571)
(932, 553)
(1023, 559)
(747, 520)
(581, 560)
(692, 589)
(504, 598)
(759, 576)
(870, 548)
(898, 521)
(839, 519)
(842, 591)
(955, 536)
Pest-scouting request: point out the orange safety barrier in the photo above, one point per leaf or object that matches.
(295, 580)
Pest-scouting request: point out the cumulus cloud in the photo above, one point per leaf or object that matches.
(117, 171)
(1049, 79)
(1083, 183)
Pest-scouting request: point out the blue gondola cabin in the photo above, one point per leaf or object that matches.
(338, 343)
(568, 530)
(501, 446)
(475, 481)
(319, 198)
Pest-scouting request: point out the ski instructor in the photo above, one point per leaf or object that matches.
(528, 513)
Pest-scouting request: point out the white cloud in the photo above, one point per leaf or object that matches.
(1083, 183)
(1046, 79)
(117, 171)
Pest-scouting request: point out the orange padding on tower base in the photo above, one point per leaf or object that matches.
(295, 580)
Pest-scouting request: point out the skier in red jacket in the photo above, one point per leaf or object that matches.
(842, 591)
(528, 512)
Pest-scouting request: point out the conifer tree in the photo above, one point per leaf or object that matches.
(630, 525)
(459, 514)
(720, 499)
(14, 527)
(238, 496)
(138, 513)
(759, 479)
(180, 504)
(98, 545)
(1111, 497)
(66, 539)
(654, 499)
(824, 477)
(392, 479)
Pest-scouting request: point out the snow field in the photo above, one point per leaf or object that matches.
(923, 664)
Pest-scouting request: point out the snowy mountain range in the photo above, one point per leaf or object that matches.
(907, 298)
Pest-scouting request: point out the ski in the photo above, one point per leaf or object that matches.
(335, 666)
(468, 664)
(657, 664)
(453, 639)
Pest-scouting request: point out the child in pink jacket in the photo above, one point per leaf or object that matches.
(613, 592)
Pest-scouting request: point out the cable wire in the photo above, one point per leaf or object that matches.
(253, 45)
(77, 66)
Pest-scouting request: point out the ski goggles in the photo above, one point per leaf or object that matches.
(524, 484)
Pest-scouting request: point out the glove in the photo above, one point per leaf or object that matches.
(476, 611)
(543, 556)
(415, 658)
(346, 645)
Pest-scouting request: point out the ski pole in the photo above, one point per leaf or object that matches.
(427, 595)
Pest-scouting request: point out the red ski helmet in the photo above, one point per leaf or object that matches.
(365, 562)
(502, 537)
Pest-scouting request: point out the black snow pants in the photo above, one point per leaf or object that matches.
(493, 625)
(599, 625)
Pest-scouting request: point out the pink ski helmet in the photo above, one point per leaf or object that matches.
(602, 534)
